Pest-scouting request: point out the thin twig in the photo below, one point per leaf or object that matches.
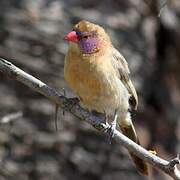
(162, 8)
(97, 121)
(56, 117)
(11, 117)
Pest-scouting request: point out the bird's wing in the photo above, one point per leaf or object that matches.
(120, 64)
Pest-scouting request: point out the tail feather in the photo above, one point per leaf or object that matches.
(130, 132)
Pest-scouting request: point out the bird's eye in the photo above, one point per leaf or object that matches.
(78, 33)
(85, 37)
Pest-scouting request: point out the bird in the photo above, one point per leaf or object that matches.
(99, 76)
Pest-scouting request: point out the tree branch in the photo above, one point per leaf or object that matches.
(11, 117)
(96, 120)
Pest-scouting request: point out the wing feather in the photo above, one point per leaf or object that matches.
(121, 65)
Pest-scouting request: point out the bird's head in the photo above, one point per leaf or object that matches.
(89, 37)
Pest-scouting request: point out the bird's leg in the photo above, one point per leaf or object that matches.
(112, 127)
(114, 122)
(109, 129)
(105, 117)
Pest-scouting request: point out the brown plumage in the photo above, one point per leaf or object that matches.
(99, 75)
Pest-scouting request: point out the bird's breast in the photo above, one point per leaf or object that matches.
(94, 80)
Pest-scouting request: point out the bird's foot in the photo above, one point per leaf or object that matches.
(112, 128)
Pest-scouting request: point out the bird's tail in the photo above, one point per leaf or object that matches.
(128, 130)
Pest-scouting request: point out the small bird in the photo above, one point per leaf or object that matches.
(99, 75)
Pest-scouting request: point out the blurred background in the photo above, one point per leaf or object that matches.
(147, 33)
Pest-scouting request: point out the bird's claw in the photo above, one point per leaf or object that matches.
(110, 132)
(112, 128)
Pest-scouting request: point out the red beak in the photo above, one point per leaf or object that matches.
(72, 36)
